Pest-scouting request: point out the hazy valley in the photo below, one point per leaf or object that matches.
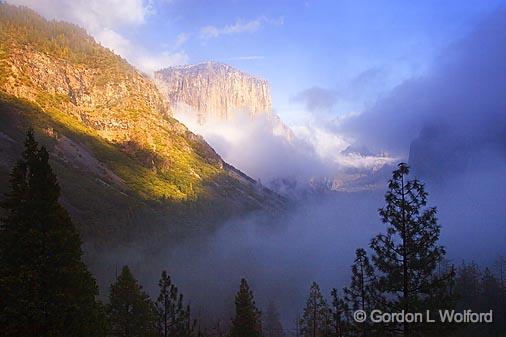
(191, 169)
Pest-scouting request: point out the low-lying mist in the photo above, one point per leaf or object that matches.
(316, 238)
(314, 241)
(279, 256)
(266, 150)
(253, 145)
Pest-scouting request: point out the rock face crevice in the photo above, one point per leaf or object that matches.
(215, 91)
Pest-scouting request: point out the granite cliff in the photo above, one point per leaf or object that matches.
(214, 90)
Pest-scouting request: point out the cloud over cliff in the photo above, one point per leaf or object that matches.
(463, 93)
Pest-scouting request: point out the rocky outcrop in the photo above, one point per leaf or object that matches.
(105, 102)
(217, 92)
(214, 90)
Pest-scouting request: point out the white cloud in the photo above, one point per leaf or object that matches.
(313, 154)
(92, 14)
(240, 26)
(326, 144)
(114, 41)
(103, 19)
(151, 63)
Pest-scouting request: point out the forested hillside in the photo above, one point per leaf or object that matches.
(127, 169)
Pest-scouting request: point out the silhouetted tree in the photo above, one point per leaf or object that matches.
(316, 318)
(131, 312)
(173, 318)
(247, 320)
(169, 307)
(362, 294)
(45, 288)
(408, 254)
(191, 328)
(491, 291)
(340, 315)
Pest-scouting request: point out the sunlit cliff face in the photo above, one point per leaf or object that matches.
(215, 91)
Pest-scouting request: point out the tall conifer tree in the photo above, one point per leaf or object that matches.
(316, 318)
(46, 289)
(131, 312)
(408, 254)
(173, 318)
(247, 320)
(362, 294)
(340, 315)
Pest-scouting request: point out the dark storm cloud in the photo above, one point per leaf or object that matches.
(451, 124)
(464, 95)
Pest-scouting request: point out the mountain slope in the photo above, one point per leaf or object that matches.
(127, 168)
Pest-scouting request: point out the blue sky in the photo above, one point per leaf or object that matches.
(328, 44)
(349, 52)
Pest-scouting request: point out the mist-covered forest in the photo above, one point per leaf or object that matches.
(49, 291)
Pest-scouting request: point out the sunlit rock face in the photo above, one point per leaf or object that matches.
(209, 95)
(215, 91)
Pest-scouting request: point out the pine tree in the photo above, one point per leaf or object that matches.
(272, 324)
(340, 315)
(46, 289)
(169, 307)
(130, 310)
(408, 254)
(316, 318)
(362, 294)
(247, 320)
(173, 319)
